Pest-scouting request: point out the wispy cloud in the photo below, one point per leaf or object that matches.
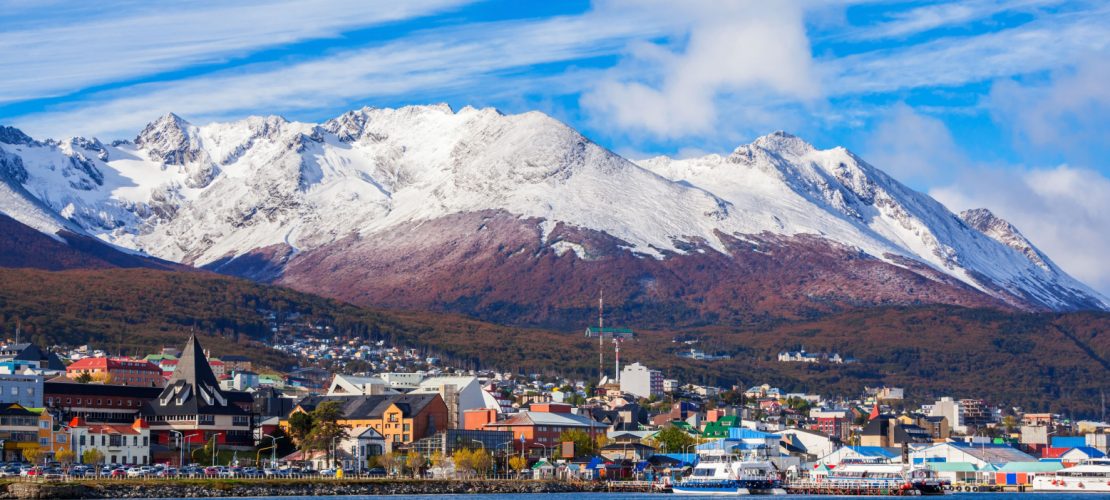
(70, 47)
(950, 14)
(1053, 42)
(441, 59)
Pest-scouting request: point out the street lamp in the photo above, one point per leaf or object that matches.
(273, 449)
(215, 445)
(189, 444)
(334, 451)
(180, 447)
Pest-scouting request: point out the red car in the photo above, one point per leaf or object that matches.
(118, 473)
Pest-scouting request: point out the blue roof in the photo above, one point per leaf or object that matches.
(685, 458)
(746, 433)
(1089, 451)
(1068, 441)
(595, 462)
(873, 451)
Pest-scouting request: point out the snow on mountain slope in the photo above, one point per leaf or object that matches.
(209, 194)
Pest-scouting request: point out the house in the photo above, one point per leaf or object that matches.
(399, 418)
(637, 452)
(194, 408)
(26, 354)
(24, 388)
(19, 430)
(361, 444)
(834, 423)
(119, 371)
(120, 444)
(1078, 454)
(541, 426)
(53, 436)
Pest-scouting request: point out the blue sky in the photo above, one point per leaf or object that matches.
(1002, 104)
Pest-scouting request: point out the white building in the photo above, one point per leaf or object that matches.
(459, 393)
(402, 381)
(120, 444)
(350, 385)
(670, 385)
(950, 409)
(641, 381)
(359, 446)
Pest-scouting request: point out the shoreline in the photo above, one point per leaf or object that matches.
(283, 488)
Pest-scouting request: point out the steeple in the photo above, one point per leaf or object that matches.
(193, 388)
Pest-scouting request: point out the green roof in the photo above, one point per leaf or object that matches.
(622, 332)
(953, 466)
(1031, 467)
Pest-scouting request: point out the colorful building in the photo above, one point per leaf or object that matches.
(118, 371)
(399, 418)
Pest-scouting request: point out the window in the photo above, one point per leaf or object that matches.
(44, 424)
(392, 417)
(406, 428)
(82, 441)
(44, 441)
(15, 391)
(134, 440)
(61, 438)
(146, 441)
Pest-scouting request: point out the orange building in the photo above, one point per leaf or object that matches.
(399, 418)
(118, 371)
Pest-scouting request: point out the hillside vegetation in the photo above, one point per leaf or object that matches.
(1056, 362)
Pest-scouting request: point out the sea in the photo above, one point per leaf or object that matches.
(660, 496)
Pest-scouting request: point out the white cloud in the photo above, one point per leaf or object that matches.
(441, 59)
(930, 17)
(1069, 114)
(1064, 211)
(65, 48)
(1056, 41)
(912, 147)
(732, 48)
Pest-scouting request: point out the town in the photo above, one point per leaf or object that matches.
(186, 412)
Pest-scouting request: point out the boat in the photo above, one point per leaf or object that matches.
(1089, 475)
(889, 477)
(722, 475)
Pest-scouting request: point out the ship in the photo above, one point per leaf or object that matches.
(1088, 476)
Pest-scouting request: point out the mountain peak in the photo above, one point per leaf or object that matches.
(12, 135)
(1002, 231)
(784, 142)
(168, 140)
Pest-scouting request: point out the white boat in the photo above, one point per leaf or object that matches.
(1090, 475)
(721, 475)
(884, 476)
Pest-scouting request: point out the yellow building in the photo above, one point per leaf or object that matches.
(18, 431)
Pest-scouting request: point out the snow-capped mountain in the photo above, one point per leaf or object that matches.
(425, 206)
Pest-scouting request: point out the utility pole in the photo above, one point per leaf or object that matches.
(601, 336)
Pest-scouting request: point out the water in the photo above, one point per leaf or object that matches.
(664, 496)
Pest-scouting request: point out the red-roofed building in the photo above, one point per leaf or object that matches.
(120, 443)
(118, 371)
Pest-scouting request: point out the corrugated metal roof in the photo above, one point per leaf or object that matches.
(953, 466)
(1031, 467)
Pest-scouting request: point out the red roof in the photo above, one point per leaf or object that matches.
(113, 364)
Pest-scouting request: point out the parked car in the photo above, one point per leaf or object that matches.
(211, 471)
(117, 473)
(375, 472)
